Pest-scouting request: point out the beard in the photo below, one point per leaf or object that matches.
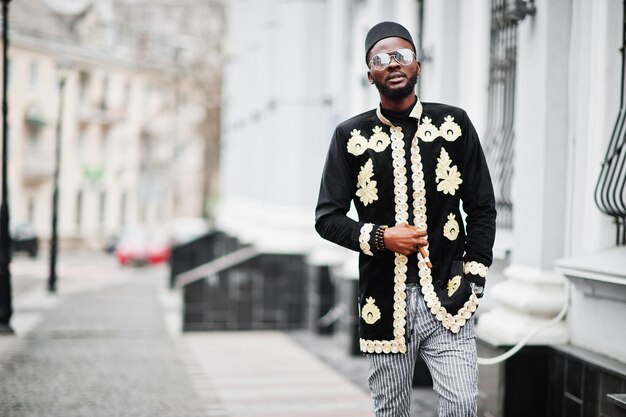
(398, 93)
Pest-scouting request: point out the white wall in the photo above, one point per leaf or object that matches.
(597, 308)
(541, 126)
(276, 116)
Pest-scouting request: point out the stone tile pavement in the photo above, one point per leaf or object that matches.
(109, 344)
(97, 348)
(266, 374)
(424, 401)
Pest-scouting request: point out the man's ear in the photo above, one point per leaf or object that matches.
(369, 77)
(419, 68)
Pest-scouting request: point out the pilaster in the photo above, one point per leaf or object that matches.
(532, 294)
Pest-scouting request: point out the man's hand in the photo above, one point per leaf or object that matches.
(404, 239)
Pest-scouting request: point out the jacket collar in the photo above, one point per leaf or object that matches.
(416, 113)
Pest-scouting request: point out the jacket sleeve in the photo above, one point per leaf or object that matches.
(337, 188)
(479, 204)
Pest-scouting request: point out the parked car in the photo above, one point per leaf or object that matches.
(24, 239)
(139, 246)
(111, 243)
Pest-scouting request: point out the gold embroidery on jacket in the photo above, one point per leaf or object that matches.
(447, 319)
(364, 238)
(367, 191)
(357, 144)
(475, 268)
(427, 131)
(453, 284)
(370, 313)
(449, 130)
(451, 228)
(378, 142)
(398, 343)
(449, 176)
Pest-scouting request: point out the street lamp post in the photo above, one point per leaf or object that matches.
(6, 308)
(52, 278)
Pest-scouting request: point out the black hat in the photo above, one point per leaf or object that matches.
(386, 30)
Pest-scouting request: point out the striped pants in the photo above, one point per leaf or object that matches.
(451, 359)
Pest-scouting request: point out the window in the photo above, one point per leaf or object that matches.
(610, 193)
(83, 86)
(79, 209)
(33, 132)
(81, 143)
(500, 137)
(105, 142)
(105, 93)
(102, 207)
(34, 74)
(126, 99)
(31, 210)
(123, 204)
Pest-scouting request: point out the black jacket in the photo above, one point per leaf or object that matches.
(420, 180)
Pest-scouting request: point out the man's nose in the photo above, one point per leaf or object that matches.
(393, 62)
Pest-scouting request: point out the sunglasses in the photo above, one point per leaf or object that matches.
(402, 56)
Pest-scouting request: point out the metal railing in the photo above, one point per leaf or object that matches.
(610, 192)
(500, 136)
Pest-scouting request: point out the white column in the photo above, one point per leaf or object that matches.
(594, 86)
(275, 90)
(532, 294)
(440, 66)
(472, 61)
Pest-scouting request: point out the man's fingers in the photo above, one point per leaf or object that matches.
(425, 256)
(418, 231)
(419, 242)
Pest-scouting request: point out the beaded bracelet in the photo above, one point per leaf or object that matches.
(379, 240)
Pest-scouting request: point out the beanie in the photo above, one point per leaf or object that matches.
(386, 30)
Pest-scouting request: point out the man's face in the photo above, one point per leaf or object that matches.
(396, 81)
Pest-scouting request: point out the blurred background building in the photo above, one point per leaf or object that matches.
(543, 82)
(141, 112)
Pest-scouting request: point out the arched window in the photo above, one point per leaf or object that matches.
(610, 193)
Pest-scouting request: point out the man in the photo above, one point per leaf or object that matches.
(408, 166)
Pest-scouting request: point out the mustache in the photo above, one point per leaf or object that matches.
(395, 74)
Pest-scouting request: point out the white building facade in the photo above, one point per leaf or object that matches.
(543, 83)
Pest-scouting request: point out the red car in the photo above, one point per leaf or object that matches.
(143, 247)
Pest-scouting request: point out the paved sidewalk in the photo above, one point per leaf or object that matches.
(109, 344)
(98, 348)
(424, 401)
(266, 374)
